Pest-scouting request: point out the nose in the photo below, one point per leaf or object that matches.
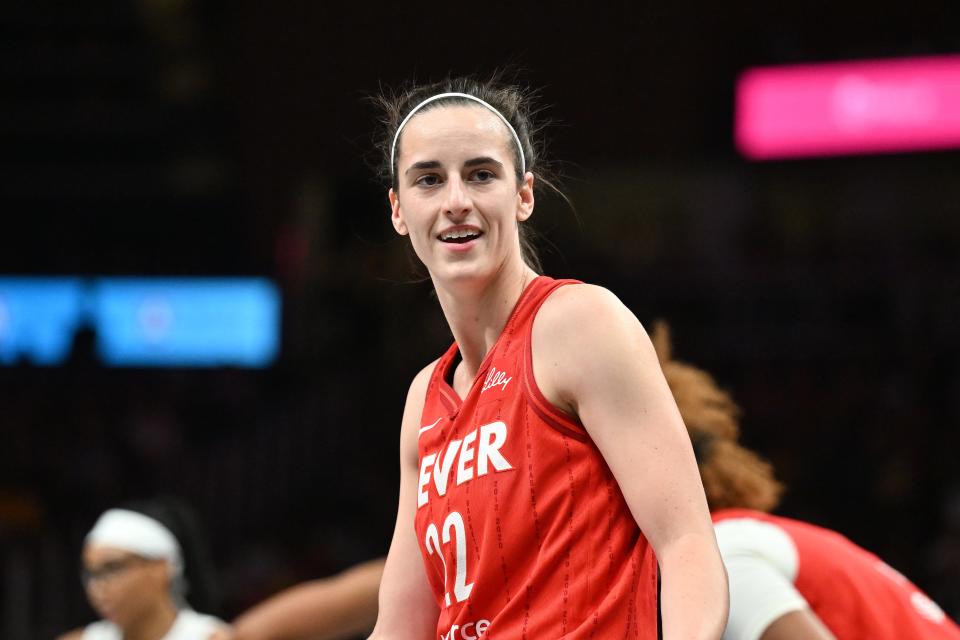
(456, 202)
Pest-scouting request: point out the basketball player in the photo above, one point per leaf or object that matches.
(133, 572)
(788, 579)
(545, 467)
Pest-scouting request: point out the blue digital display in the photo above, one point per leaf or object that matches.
(38, 318)
(142, 322)
(200, 322)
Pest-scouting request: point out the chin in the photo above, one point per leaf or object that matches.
(461, 274)
(110, 614)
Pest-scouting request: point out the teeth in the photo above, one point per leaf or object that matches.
(462, 233)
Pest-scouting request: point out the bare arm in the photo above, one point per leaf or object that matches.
(327, 609)
(408, 610)
(798, 625)
(76, 634)
(592, 358)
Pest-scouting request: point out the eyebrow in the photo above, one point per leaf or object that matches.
(425, 164)
(473, 162)
(435, 164)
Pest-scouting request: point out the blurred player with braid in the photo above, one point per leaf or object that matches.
(788, 579)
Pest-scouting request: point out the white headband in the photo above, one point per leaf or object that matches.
(403, 123)
(137, 533)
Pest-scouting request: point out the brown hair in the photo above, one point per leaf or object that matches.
(733, 476)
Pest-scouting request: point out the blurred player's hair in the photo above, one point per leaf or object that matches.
(733, 476)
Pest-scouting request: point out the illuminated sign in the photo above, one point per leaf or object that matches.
(839, 108)
(38, 319)
(176, 322)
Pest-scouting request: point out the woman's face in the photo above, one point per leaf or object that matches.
(457, 196)
(123, 586)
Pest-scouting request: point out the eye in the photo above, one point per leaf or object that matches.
(108, 569)
(483, 175)
(427, 180)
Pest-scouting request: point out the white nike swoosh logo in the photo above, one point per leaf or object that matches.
(429, 426)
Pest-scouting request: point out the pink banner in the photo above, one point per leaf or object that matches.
(870, 106)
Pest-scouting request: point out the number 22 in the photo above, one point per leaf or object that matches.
(461, 590)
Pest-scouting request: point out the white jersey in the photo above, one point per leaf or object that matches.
(189, 625)
(777, 565)
(762, 564)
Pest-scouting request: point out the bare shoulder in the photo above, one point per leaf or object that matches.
(418, 387)
(582, 314)
(585, 338)
(76, 634)
(573, 297)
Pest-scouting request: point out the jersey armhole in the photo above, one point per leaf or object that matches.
(557, 418)
(436, 383)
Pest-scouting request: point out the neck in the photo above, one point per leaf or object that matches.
(154, 624)
(477, 314)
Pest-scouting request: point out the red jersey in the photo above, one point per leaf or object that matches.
(522, 526)
(854, 593)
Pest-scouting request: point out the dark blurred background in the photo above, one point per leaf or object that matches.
(191, 137)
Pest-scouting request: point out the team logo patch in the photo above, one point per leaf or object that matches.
(496, 379)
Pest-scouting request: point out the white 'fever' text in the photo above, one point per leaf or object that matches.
(489, 438)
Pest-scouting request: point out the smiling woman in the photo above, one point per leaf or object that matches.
(133, 572)
(545, 469)
(514, 112)
(458, 159)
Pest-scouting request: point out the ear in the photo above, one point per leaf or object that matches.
(396, 216)
(525, 198)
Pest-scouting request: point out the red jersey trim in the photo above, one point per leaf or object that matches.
(437, 381)
(560, 420)
(439, 377)
(449, 398)
(535, 294)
